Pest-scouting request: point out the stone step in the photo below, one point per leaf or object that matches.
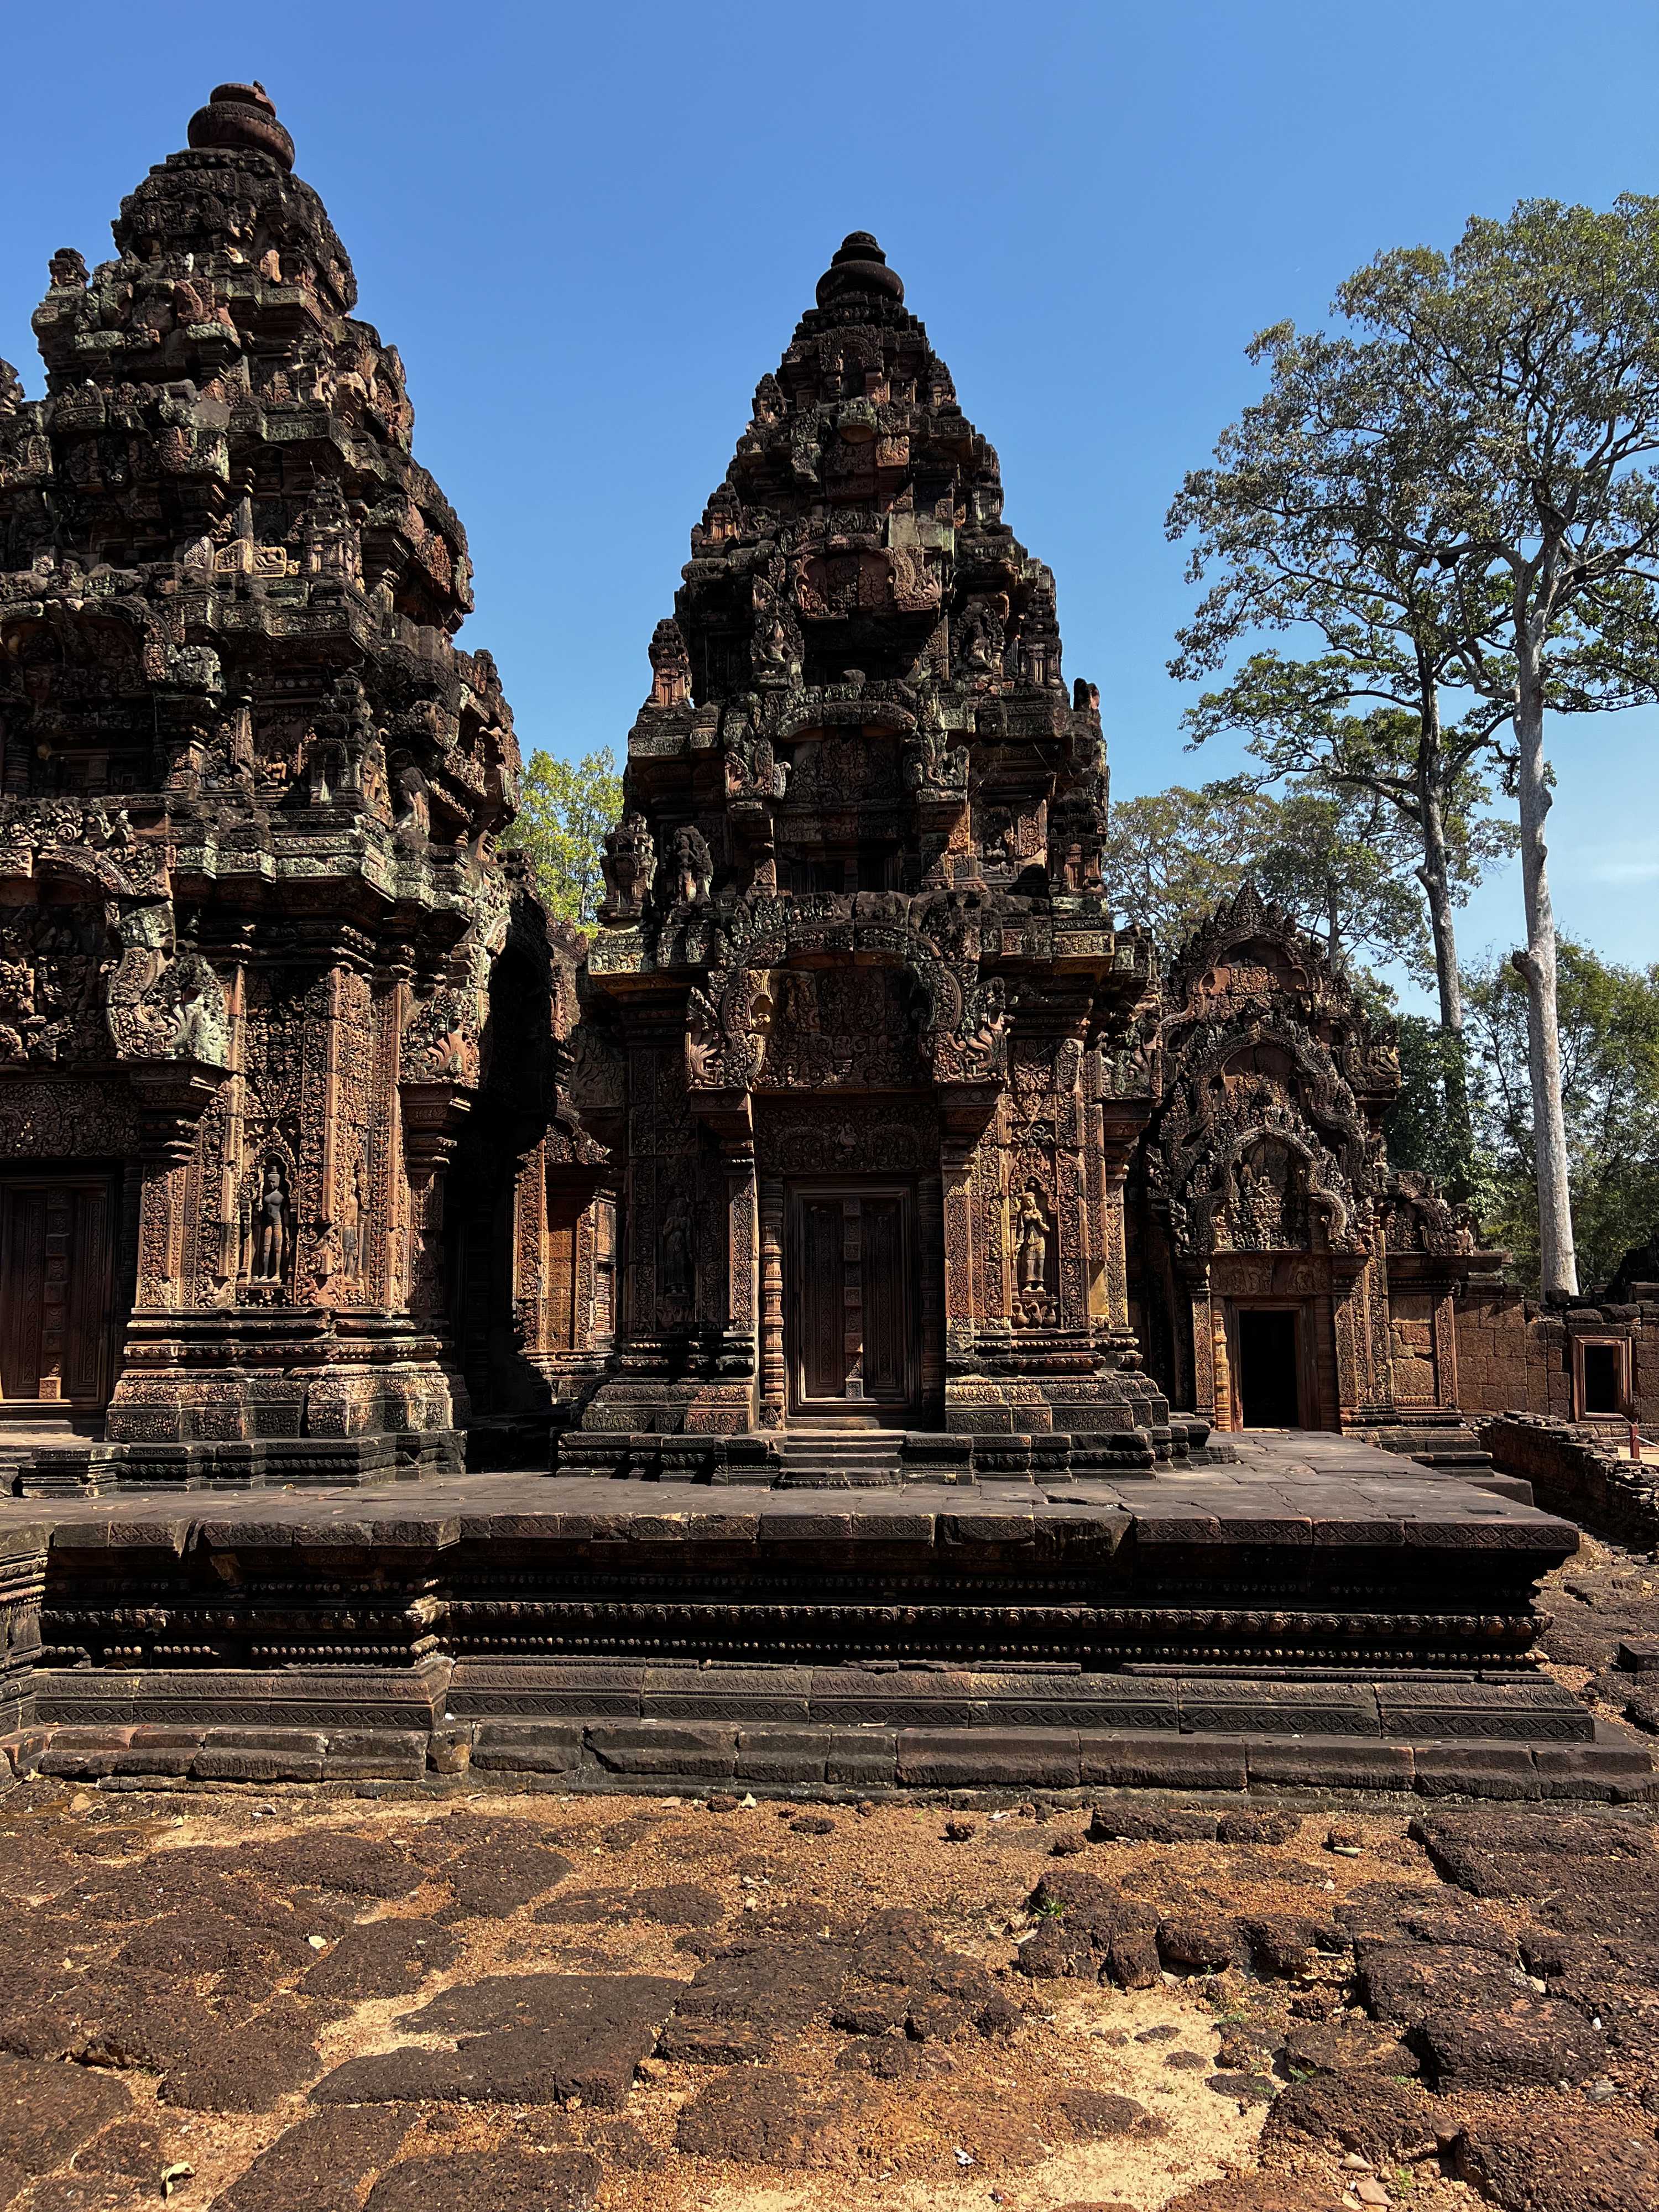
(823, 1456)
(827, 1460)
(837, 1480)
(840, 1442)
(45, 1457)
(1481, 1710)
(610, 1753)
(857, 1457)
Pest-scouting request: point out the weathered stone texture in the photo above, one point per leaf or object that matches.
(248, 908)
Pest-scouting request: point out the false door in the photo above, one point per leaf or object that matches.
(849, 1260)
(55, 1284)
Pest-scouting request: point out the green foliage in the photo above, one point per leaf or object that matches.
(1330, 859)
(1609, 1026)
(1436, 779)
(565, 808)
(1169, 859)
(1421, 1130)
(1478, 445)
(1523, 369)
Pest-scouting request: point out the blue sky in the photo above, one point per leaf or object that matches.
(591, 230)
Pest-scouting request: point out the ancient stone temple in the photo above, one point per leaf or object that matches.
(1280, 1275)
(248, 906)
(857, 1015)
(783, 1219)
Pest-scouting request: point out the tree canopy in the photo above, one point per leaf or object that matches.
(565, 808)
(1333, 859)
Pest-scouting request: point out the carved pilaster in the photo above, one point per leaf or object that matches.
(773, 1379)
(1212, 1317)
(738, 1353)
(431, 1114)
(173, 1095)
(956, 1162)
(1120, 1122)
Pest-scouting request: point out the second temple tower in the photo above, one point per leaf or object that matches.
(858, 1030)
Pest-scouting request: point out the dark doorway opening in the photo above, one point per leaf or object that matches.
(1269, 1391)
(1602, 1378)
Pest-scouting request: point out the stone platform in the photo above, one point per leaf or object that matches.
(1318, 1612)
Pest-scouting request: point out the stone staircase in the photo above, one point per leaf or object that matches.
(1437, 1436)
(840, 1458)
(44, 1439)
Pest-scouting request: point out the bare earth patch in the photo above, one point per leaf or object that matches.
(624, 2003)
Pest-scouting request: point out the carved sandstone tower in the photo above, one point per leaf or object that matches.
(247, 901)
(857, 1018)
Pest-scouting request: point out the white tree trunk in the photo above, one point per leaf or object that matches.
(1558, 1261)
(1435, 875)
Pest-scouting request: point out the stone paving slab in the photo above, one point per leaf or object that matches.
(556, 2000)
(1272, 1507)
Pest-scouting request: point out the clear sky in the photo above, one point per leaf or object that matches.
(590, 229)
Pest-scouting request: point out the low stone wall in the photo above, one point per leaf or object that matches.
(1514, 1353)
(1573, 1473)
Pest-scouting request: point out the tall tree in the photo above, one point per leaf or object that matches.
(565, 807)
(1492, 431)
(1609, 1031)
(1418, 1130)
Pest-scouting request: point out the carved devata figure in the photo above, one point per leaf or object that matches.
(272, 1238)
(1033, 1238)
(354, 1215)
(677, 1275)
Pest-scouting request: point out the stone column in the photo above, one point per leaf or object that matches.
(1221, 1377)
(728, 1406)
(432, 1114)
(1444, 1327)
(1071, 1230)
(173, 1095)
(742, 1254)
(1092, 1084)
(773, 1377)
(535, 1310)
(1335, 1356)
(1122, 1121)
(957, 1163)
